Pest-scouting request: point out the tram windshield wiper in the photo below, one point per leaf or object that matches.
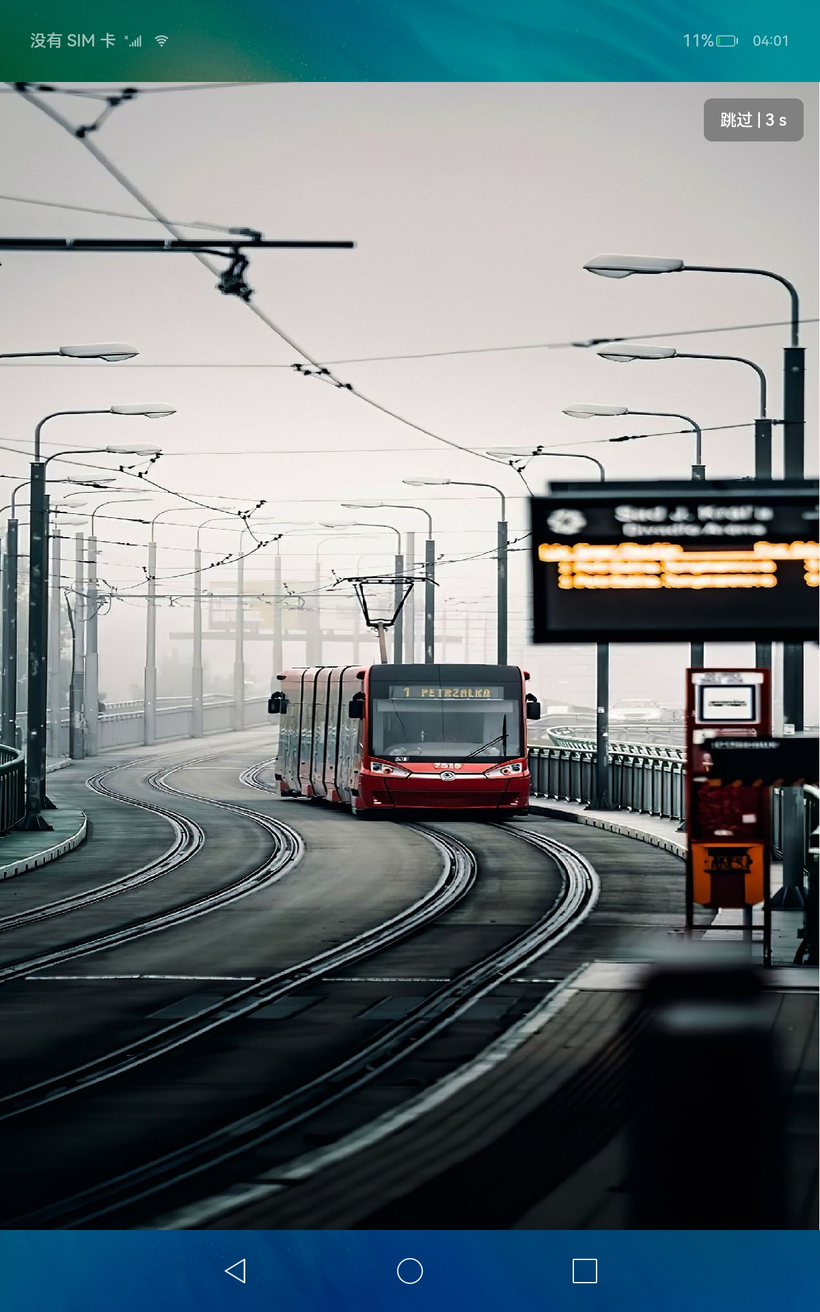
(499, 738)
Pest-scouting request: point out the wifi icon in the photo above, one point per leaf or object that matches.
(160, 40)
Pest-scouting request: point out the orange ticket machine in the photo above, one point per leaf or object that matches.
(727, 824)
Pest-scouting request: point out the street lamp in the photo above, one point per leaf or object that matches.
(582, 411)
(794, 385)
(149, 695)
(502, 537)
(76, 619)
(8, 699)
(91, 681)
(626, 354)
(150, 411)
(429, 569)
(110, 351)
(529, 453)
(398, 590)
(8, 732)
(37, 694)
(621, 266)
(600, 798)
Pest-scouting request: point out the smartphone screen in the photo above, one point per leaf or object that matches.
(408, 737)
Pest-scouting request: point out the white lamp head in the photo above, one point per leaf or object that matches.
(111, 351)
(427, 482)
(621, 266)
(363, 505)
(134, 450)
(637, 351)
(595, 411)
(150, 411)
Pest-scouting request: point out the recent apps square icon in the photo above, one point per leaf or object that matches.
(585, 1270)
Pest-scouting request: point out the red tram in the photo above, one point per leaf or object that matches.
(393, 738)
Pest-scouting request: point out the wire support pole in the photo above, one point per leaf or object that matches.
(197, 673)
(37, 691)
(239, 644)
(9, 648)
(150, 693)
(429, 602)
(55, 688)
(92, 654)
(398, 625)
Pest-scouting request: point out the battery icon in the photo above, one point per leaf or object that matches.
(726, 40)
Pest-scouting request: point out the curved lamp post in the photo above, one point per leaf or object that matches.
(398, 590)
(37, 694)
(600, 798)
(794, 386)
(91, 679)
(502, 559)
(583, 411)
(627, 353)
(622, 266)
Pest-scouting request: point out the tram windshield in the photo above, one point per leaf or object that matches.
(446, 720)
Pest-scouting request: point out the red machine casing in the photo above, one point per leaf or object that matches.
(727, 825)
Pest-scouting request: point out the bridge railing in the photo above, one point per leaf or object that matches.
(647, 778)
(12, 788)
(811, 818)
(126, 728)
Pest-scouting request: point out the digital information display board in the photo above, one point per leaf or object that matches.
(728, 560)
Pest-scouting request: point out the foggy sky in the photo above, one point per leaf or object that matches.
(473, 208)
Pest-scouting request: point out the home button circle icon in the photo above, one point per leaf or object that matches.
(409, 1271)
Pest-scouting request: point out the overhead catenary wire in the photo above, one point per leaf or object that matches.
(317, 368)
(365, 359)
(115, 214)
(136, 91)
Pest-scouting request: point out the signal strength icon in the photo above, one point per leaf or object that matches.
(136, 42)
(160, 40)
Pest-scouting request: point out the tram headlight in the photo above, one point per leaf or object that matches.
(385, 767)
(503, 771)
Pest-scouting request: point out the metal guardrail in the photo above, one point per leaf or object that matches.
(811, 819)
(12, 788)
(647, 778)
(126, 728)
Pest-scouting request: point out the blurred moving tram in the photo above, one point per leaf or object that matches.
(398, 738)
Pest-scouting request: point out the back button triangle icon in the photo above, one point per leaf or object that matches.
(237, 1271)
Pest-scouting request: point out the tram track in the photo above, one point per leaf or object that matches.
(577, 897)
(456, 878)
(250, 777)
(188, 839)
(288, 850)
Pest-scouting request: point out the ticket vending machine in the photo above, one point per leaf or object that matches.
(728, 823)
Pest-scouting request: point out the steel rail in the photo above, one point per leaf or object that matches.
(456, 878)
(577, 897)
(188, 839)
(288, 851)
(250, 777)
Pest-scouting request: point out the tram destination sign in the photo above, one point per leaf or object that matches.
(675, 562)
